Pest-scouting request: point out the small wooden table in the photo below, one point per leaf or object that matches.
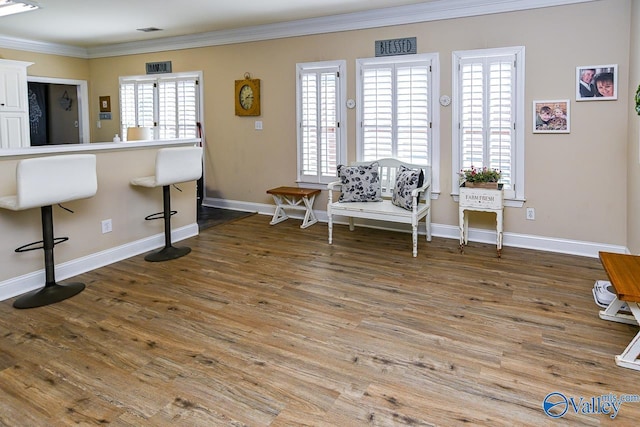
(295, 198)
(624, 274)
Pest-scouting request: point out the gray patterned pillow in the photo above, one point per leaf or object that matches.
(359, 183)
(407, 180)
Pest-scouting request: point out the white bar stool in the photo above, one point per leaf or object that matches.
(173, 165)
(42, 182)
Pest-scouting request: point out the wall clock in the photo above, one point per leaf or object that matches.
(247, 94)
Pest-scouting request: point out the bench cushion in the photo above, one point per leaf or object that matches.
(359, 183)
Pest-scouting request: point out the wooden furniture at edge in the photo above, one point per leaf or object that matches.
(624, 274)
(295, 198)
(385, 210)
(482, 200)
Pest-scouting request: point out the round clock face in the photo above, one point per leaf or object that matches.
(246, 97)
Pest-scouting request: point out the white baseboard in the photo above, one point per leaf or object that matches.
(35, 280)
(526, 241)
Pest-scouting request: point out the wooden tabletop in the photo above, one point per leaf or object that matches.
(294, 191)
(624, 274)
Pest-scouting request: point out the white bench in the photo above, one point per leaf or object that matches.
(385, 210)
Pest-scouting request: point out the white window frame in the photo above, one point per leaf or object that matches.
(433, 59)
(157, 78)
(340, 67)
(516, 197)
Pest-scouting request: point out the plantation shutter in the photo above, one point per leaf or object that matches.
(487, 114)
(178, 107)
(136, 105)
(377, 112)
(319, 124)
(395, 111)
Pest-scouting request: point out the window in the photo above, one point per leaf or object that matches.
(488, 115)
(169, 103)
(320, 118)
(396, 117)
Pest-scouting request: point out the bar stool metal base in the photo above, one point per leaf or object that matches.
(167, 253)
(50, 294)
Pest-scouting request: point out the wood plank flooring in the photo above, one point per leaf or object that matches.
(270, 326)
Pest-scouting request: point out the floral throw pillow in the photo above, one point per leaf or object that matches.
(359, 183)
(407, 180)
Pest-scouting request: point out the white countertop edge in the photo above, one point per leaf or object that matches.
(94, 146)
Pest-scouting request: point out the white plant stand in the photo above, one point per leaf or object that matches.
(480, 200)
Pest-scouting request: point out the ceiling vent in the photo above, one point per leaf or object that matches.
(149, 29)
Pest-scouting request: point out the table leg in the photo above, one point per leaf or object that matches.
(462, 225)
(499, 227)
(629, 357)
(279, 215)
(613, 314)
(309, 216)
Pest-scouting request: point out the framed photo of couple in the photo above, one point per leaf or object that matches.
(551, 116)
(597, 82)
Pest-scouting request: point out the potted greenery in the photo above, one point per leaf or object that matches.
(480, 178)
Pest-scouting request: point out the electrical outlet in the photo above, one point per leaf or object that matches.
(107, 226)
(531, 214)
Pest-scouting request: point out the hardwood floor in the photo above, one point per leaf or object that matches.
(270, 326)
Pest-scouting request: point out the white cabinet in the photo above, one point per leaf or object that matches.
(14, 104)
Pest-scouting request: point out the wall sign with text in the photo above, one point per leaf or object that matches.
(405, 46)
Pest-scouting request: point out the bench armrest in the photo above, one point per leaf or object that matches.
(425, 188)
(332, 187)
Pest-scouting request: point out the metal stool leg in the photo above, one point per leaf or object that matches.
(169, 251)
(52, 291)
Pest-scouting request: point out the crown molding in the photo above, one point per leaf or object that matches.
(15, 43)
(398, 15)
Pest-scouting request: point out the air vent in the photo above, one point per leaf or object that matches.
(149, 29)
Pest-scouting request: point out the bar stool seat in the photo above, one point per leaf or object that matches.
(43, 182)
(173, 166)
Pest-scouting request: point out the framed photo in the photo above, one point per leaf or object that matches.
(105, 104)
(551, 116)
(597, 82)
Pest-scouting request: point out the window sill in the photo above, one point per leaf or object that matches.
(314, 185)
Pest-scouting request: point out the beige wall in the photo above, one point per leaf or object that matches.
(50, 65)
(577, 182)
(633, 154)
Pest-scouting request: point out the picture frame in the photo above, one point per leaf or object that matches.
(552, 116)
(597, 82)
(105, 104)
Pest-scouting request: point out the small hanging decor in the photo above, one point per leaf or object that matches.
(65, 101)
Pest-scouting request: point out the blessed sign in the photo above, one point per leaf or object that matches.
(404, 46)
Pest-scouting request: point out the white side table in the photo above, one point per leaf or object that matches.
(481, 200)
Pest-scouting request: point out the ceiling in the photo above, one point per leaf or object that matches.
(93, 23)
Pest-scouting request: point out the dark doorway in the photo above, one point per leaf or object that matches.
(53, 114)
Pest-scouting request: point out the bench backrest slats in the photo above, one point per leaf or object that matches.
(388, 169)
